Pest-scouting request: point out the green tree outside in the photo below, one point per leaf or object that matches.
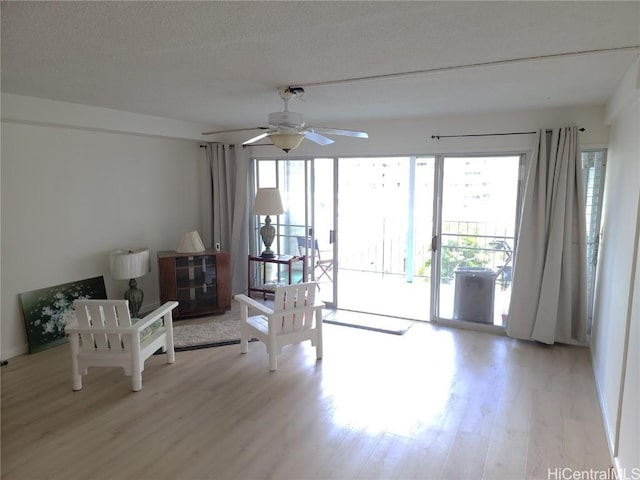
(461, 252)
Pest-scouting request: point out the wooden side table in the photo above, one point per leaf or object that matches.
(263, 286)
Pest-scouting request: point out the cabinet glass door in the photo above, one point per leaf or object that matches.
(196, 283)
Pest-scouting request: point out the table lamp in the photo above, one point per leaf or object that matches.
(131, 264)
(268, 202)
(190, 242)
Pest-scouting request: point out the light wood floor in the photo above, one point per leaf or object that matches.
(434, 403)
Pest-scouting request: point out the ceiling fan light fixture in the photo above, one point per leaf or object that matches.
(286, 141)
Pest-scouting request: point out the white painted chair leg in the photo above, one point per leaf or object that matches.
(77, 383)
(76, 378)
(244, 334)
(171, 355)
(244, 338)
(318, 314)
(168, 326)
(136, 364)
(273, 353)
(136, 381)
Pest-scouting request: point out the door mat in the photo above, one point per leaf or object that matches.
(366, 321)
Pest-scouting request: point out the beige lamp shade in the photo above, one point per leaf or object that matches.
(190, 243)
(128, 264)
(268, 202)
(286, 141)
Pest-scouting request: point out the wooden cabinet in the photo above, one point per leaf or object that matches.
(200, 282)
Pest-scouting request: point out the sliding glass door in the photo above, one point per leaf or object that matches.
(321, 241)
(307, 225)
(475, 238)
(385, 220)
(413, 237)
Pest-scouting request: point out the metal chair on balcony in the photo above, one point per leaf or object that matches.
(505, 271)
(323, 258)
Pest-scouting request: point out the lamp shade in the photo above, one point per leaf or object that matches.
(286, 141)
(190, 243)
(128, 264)
(268, 202)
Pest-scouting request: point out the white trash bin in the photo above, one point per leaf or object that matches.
(474, 294)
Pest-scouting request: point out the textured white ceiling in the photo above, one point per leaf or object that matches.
(219, 63)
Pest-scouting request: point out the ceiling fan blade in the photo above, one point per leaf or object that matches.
(235, 130)
(255, 139)
(316, 137)
(337, 131)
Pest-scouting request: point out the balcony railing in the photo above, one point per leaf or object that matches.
(463, 244)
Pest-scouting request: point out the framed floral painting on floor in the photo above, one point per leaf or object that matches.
(47, 311)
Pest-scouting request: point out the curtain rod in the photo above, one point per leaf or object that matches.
(243, 146)
(217, 143)
(438, 137)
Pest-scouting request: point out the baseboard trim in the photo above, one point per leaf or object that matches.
(15, 352)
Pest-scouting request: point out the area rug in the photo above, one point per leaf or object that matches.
(206, 332)
(375, 323)
(219, 330)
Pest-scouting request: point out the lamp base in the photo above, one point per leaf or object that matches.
(135, 296)
(268, 233)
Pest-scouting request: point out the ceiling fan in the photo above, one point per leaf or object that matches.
(287, 129)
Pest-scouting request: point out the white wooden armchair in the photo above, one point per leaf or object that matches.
(296, 317)
(104, 335)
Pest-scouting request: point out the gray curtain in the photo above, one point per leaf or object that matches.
(224, 178)
(548, 300)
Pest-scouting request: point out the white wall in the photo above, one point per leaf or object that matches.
(615, 339)
(628, 455)
(71, 195)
